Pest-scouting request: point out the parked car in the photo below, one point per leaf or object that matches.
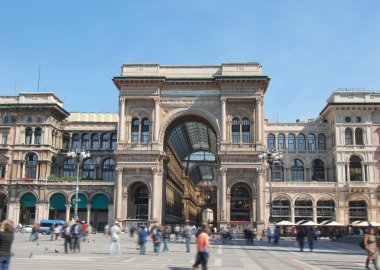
(27, 229)
(46, 224)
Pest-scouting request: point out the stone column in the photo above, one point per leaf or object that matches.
(150, 209)
(292, 217)
(223, 119)
(260, 197)
(222, 195)
(259, 121)
(118, 193)
(253, 209)
(156, 119)
(314, 213)
(122, 120)
(124, 202)
(88, 212)
(68, 205)
(348, 173)
(157, 196)
(228, 208)
(23, 169)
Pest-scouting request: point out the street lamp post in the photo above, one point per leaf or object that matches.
(78, 155)
(270, 156)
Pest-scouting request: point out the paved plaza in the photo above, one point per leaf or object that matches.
(94, 255)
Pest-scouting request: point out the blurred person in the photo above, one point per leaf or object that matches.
(277, 234)
(75, 236)
(177, 231)
(115, 237)
(66, 235)
(56, 231)
(188, 233)
(166, 238)
(311, 236)
(371, 247)
(269, 235)
(6, 240)
(142, 236)
(203, 248)
(300, 238)
(106, 229)
(157, 240)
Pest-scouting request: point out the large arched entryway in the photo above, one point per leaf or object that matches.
(99, 211)
(138, 202)
(28, 208)
(57, 206)
(189, 177)
(240, 204)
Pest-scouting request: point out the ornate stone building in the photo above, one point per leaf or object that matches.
(184, 148)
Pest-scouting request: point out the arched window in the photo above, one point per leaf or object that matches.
(348, 136)
(108, 169)
(105, 141)
(95, 141)
(2, 172)
(145, 130)
(88, 170)
(28, 135)
(235, 130)
(359, 136)
(141, 201)
(278, 171)
(321, 141)
(355, 169)
(207, 197)
(75, 141)
(66, 140)
(303, 209)
(6, 119)
(301, 142)
(246, 131)
(135, 130)
(311, 142)
(291, 143)
(85, 141)
(281, 141)
(281, 209)
(325, 210)
(240, 203)
(31, 165)
(271, 141)
(113, 141)
(357, 211)
(318, 171)
(69, 168)
(296, 170)
(37, 135)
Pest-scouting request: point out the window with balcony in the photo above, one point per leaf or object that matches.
(277, 171)
(322, 141)
(37, 135)
(108, 169)
(281, 141)
(28, 135)
(355, 169)
(85, 141)
(301, 142)
(31, 166)
(291, 143)
(88, 169)
(105, 141)
(359, 136)
(69, 167)
(318, 171)
(135, 130)
(75, 141)
(271, 141)
(145, 130)
(235, 131)
(348, 136)
(95, 141)
(66, 140)
(113, 141)
(296, 171)
(246, 130)
(311, 145)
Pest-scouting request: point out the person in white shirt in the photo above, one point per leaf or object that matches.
(115, 237)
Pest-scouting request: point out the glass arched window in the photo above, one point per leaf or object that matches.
(303, 209)
(2, 170)
(271, 141)
(86, 141)
(88, 170)
(301, 142)
(281, 141)
(69, 168)
(141, 201)
(113, 141)
(359, 136)
(355, 169)
(135, 130)
(207, 197)
(325, 210)
(6, 119)
(291, 143)
(108, 169)
(240, 203)
(246, 130)
(278, 171)
(37, 135)
(321, 141)
(281, 209)
(145, 130)
(75, 141)
(95, 141)
(296, 170)
(66, 140)
(105, 141)
(318, 170)
(357, 211)
(348, 136)
(235, 130)
(31, 166)
(28, 135)
(311, 142)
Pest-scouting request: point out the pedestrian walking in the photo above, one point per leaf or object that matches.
(166, 238)
(311, 236)
(371, 247)
(203, 248)
(269, 235)
(142, 236)
(248, 236)
(106, 229)
(6, 240)
(277, 234)
(300, 238)
(66, 235)
(177, 231)
(115, 237)
(75, 236)
(188, 233)
(34, 234)
(56, 231)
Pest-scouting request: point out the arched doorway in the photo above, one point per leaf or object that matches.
(357, 210)
(303, 209)
(3, 206)
(28, 208)
(240, 204)
(190, 144)
(57, 207)
(281, 209)
(99, 211)
(138, 206)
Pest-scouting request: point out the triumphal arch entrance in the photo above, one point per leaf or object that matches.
(188, 144)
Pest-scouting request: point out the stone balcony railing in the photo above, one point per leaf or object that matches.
(53, 182)
(316, 184)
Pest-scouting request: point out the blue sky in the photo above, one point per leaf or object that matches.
(308, 48)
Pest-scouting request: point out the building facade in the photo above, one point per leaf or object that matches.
(185, 147)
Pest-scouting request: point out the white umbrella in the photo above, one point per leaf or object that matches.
(355, 223)
(374, 224)
(285, 223)
(310, 223)
(363, 224)
(334, 223)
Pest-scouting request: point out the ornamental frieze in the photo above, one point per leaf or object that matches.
(240, 91)
(185, 103)
(139, 91)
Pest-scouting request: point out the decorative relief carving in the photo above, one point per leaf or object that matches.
(185, 103)
(240, 91)
(190, 92)
(139, 91)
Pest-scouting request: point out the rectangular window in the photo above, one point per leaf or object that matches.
(4, 138)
